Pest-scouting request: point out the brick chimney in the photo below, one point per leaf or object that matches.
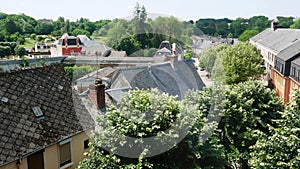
(97, 94)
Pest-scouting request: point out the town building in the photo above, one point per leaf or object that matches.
(280, 48)
(66, 46)
(43, 123)
(175, 77)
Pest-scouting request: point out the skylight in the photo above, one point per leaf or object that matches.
(4, 99)
(37, 112)
(60, 87)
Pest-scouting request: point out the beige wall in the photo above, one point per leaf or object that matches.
(13, 165)
(51, 157)
(51, 154)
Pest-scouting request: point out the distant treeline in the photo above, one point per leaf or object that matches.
(17, 27)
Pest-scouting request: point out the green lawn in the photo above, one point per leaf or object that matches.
(100, 39)
(29, 43)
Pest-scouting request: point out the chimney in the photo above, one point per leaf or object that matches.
(174, 61)
(97, 94)
(275, 24)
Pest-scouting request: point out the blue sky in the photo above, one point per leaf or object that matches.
(183, 9)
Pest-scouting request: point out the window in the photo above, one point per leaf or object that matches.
(38, 112)
(293, 71)
(65, 157)
(86, 143)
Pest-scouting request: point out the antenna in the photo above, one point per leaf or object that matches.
(98, 65)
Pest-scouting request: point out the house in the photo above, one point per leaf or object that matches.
(173, 77)
(42, 47)
(43, 123)
(92, 47)
(66, 46)
(279, 48)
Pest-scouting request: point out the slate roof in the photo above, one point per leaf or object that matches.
(284, 42)
(103, 72)
(21, 132)
(162, 76)
(296, 61)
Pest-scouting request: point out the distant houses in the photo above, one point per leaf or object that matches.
(280, 49)
(66, 45)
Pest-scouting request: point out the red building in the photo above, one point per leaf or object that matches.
(67, 46)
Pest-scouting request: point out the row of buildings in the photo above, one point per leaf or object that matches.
(68, 45)
(280, 49)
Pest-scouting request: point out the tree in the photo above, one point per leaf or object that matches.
(250, 110)
(281, 148)
(4, 51)
(285, 22)
(208, 58)
(129, 44)
(241, 62)
(247, 34)
(44, 28)
(11, 27)
(20, 51)
(296, 24)
(144, 114)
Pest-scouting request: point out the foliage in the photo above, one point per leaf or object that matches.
(25, 62)
(188, 55)
(296, 24)
(247, 34)
(208, 58)
(75, 72)
(241, 62)
(285, 22)
(129, 44)
(250, 109)
(281, 148)
(20, 51)
(4, 51)
(144, 114)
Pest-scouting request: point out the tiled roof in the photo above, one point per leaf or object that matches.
(102, 73)
(21, 131)
(284, 42)
(162, 76)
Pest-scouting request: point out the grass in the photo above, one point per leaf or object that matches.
(29, 43)
(100, 39)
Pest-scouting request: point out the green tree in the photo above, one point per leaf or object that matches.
(250, 110)
(241, 62)
(296, 24)
(11, 27)
(129, 44)
(281, 148)
(44, 28)
(20, 51)
(4, 51)
(247, 34)
(285, 22)
(208, 58)
(131, 119)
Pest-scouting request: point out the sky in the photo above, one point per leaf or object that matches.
(183, 9)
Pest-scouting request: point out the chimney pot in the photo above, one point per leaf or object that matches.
(97, 94)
